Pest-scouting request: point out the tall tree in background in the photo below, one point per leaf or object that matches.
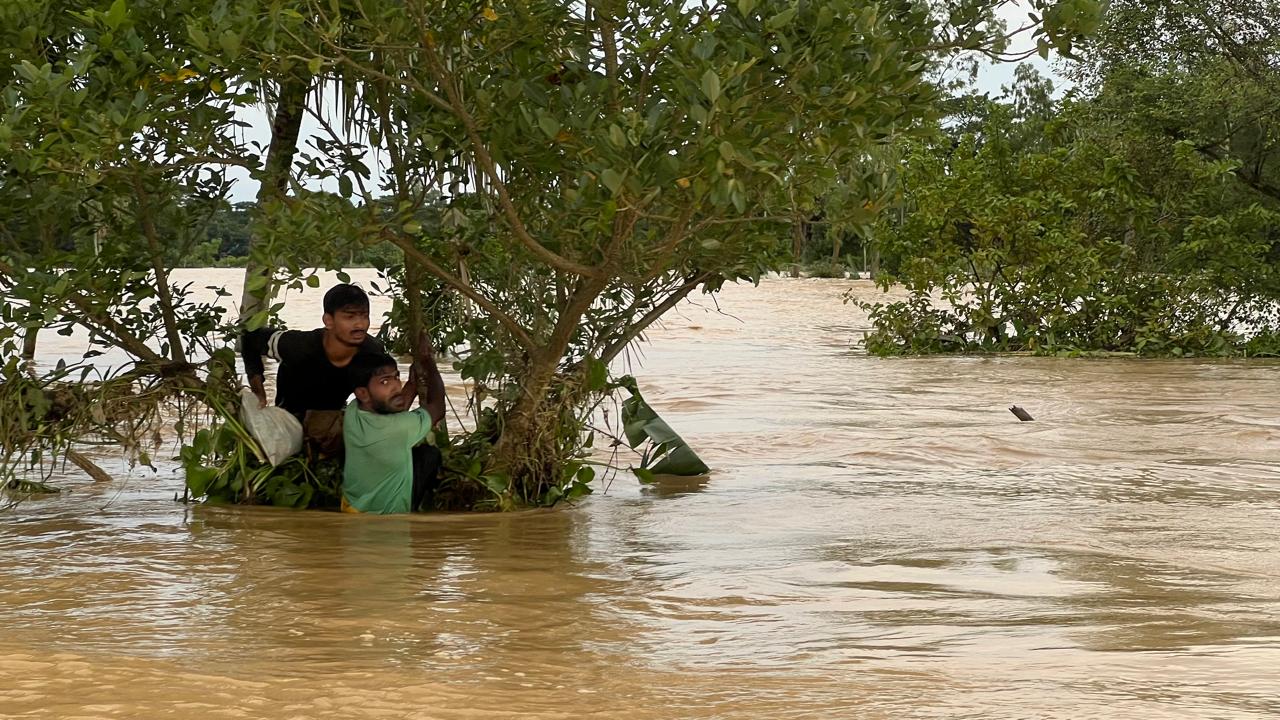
(1203, 71)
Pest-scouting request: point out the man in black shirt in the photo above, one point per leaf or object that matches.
(313, 371)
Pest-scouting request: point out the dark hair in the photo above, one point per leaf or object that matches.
(342, 296)
(365, 365)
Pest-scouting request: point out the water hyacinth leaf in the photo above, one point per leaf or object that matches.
(498, 484)
(577, 490)
(199, 478)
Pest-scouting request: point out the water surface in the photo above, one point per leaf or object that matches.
(879, 539)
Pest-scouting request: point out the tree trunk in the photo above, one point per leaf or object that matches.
(413, 277)
(29, 336)
(414, 273)
(523, 423)
(797, 245)
(286, 125)
(177, 352)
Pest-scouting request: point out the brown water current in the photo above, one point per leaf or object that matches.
(880, 538)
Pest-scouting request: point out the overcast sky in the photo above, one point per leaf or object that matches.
(990, 79)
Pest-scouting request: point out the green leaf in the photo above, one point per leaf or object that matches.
(199, 478)
(577, 490)
(641, 423)
(315, 65)
(256, 283)
(28, 70)
(198, 37)
(781, 19)
(344, 186)
(597, 375)
(643, 475)
(552, 496)
(498, 484)
(612, 179)
(116, 14)
(230, 43)
(698, 113)
(616, 136)
(711, 85)
(726, 151)
(550, 126)
(313, 281)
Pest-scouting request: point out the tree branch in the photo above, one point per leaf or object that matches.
(490, 169)
(637, 329)
(609, 44)
(521, 336)
(167, 312)
(106, 326)
(676, 235)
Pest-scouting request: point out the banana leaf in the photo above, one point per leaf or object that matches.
(668, 454)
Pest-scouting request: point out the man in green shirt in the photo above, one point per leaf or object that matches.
(386, 469)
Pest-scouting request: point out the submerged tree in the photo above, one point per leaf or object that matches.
(114, 150)
(1078, 227)
(568, 171)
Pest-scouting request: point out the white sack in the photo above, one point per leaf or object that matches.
(277, 431)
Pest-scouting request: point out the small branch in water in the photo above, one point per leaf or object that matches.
(89, 467)
(1021, 414)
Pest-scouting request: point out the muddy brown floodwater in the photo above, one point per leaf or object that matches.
(879, 539)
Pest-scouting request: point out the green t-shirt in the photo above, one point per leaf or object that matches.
(378, 474)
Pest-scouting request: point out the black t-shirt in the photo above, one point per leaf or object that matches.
(306, 379)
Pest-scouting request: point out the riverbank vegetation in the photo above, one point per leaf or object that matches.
(556, 177)
(1139, 213)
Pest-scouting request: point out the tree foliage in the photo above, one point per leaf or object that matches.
(1139, 214)
(564, 172)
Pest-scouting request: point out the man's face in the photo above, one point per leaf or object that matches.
(382, 394)
(349, 324)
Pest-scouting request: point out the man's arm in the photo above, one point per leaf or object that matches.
(431, 395)
(272, 342)
(410, 387)
(425, 381)
(253, 345)
(431, 392)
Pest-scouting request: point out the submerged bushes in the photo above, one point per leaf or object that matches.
(1073, 242)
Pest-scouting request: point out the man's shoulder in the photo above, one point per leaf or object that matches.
(370, 429)
(355, 422)
(372, 345)
(310, 342)
(406, 425)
